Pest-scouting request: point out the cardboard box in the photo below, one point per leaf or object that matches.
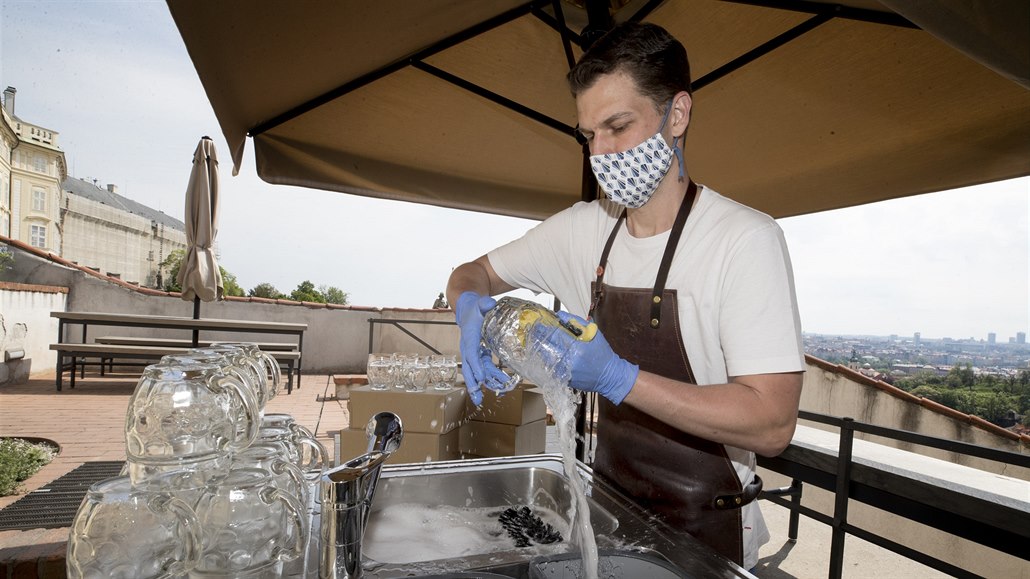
(522, 405)
(432, 411)
(493, 439)
(415, 446)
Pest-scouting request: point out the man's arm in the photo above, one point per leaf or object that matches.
(475, 276)
(756, 413)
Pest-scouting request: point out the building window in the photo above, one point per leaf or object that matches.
(40, 164)
(5, 224)
(38, 199)
(38, 236)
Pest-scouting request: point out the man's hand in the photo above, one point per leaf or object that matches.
(477, 365)
(592, 364)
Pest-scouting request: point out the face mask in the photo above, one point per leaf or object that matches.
(630, 178)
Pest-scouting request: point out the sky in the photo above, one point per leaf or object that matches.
(114, 80)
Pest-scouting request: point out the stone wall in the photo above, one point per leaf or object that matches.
(26, 328)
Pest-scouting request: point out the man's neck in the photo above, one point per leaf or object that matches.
(659, 213)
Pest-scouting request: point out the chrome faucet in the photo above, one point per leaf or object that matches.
(346, 492)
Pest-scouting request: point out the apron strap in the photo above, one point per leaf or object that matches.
(670, 249)
(663, 268)
(604, 262)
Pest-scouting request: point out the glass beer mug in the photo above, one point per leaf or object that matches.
(249, 527)
(122, 531)
(266, 365)
(187, 411)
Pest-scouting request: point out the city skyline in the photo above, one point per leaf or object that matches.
(114, 80)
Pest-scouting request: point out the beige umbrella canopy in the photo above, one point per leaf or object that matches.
(199, 275)
(799, 106)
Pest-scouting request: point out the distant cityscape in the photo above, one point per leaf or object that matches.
(893, 357)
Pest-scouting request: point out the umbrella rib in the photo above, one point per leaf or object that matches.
(837, 10)
(370, 77)
(760, 50)
(496, 98)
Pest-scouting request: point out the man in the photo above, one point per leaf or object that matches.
(699, 354)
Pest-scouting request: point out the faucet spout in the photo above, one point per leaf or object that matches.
(347, 492)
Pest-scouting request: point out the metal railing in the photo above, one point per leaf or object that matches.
(399, 324)
(961, 515)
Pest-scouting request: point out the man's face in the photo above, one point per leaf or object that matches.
(614, 116)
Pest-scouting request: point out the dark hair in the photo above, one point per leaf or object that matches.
(655, 60)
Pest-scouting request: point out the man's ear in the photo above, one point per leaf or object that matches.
(681, 104)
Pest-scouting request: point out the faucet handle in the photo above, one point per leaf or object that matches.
(384, 432)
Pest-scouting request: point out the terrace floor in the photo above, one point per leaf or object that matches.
(88, 422)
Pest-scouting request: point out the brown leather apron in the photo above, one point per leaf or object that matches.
(687, 481)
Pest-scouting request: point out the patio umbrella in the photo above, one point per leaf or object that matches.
(199, 276)
(799, 106)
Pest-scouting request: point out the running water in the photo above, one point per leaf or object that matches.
(506, 331)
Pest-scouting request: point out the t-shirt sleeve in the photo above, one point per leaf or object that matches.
(554, 257)
(759, 320)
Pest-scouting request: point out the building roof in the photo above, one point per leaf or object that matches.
(90, 191)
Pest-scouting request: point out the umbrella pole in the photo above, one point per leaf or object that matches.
(196, 316)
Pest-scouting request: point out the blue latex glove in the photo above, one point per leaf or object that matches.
(593, 365)
(477, 365)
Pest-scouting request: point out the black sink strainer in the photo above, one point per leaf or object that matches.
(527, 528)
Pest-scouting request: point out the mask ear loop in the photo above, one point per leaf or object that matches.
(677, 149)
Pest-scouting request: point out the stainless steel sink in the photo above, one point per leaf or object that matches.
(439, 520)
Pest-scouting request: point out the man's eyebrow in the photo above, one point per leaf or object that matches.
(608, 122)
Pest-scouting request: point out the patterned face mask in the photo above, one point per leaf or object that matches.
(630, 178)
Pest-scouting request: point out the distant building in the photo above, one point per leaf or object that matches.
(916, 337)
(992, 338)
(116, 235)
(1020, 337)
(32, 167)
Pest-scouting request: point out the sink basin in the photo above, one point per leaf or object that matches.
(445, 514)
(440, 520)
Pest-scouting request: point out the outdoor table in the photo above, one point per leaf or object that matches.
(86, 319)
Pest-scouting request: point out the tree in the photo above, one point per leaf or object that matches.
(266, 290)
(6, 259)
(333, 295)
(173, 263)
(229, 284)
(306, 292)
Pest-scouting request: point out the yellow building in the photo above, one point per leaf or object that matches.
(32, 168)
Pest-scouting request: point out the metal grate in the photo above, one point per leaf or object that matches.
(54, 505)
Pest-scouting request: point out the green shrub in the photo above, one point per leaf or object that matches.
(19, 460)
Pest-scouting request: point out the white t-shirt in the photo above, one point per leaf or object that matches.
(732, 273)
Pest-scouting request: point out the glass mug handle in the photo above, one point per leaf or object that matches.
(236, 388)
(304, 437)
(188, 534)
(280, 465)
(273, 368)
(298, 517)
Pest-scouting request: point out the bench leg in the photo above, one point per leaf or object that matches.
(72, 373)
(60, 370)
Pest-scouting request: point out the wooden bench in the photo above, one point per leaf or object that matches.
(185, 343)
(103, 352)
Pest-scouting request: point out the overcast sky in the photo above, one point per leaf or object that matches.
(114, 80)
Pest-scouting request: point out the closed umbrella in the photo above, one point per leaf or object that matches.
(199, 276)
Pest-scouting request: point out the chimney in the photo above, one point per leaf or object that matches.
(112, 188)
(9, 100)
